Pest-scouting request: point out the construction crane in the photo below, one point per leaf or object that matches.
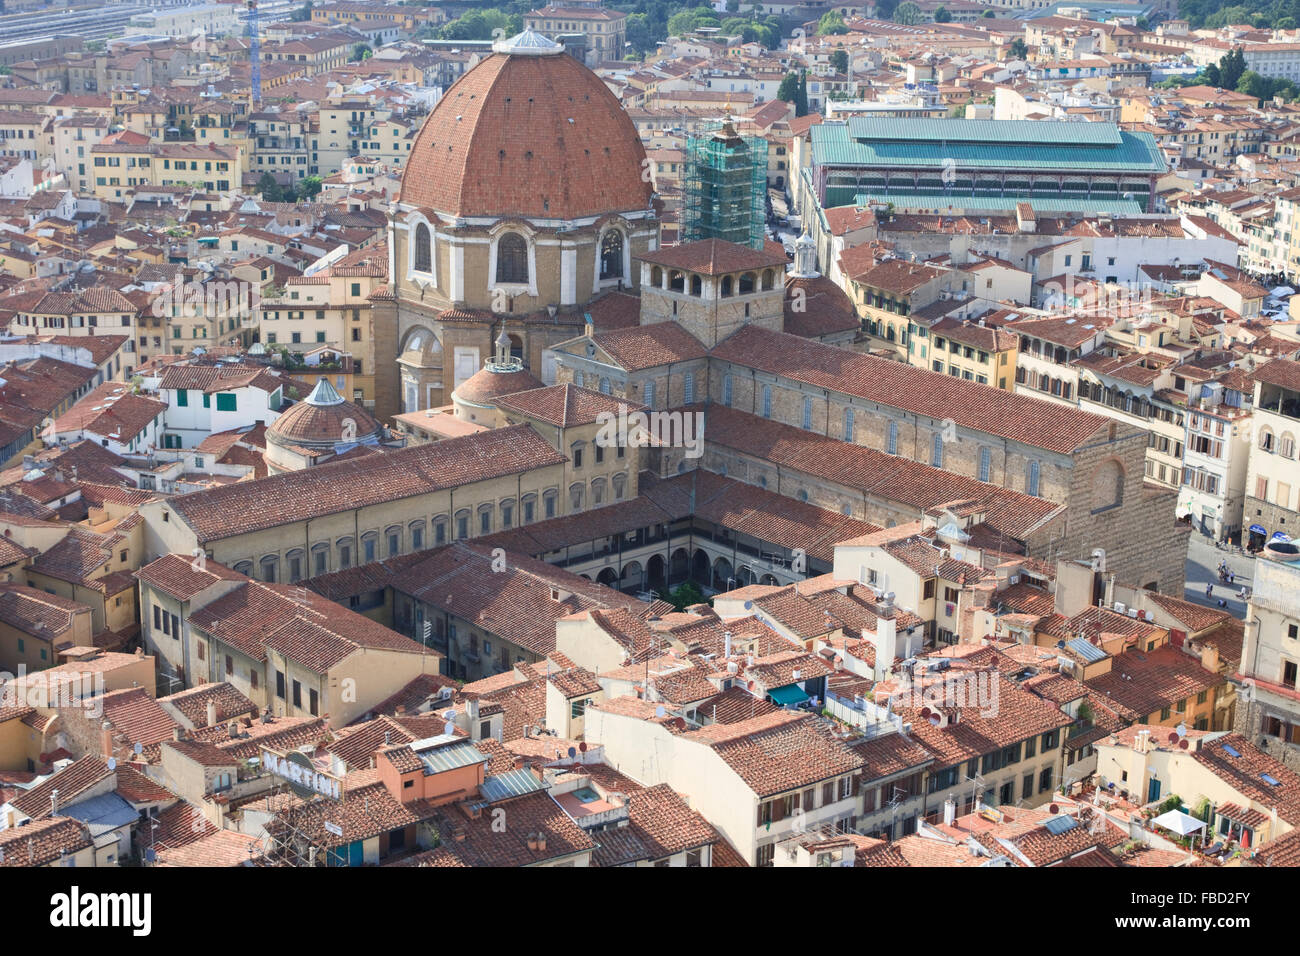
(254, 54)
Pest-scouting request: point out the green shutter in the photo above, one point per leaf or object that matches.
(226, 402)
(182, 397)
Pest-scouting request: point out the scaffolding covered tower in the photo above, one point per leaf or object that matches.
(725, 195)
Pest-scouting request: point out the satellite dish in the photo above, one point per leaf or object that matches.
(449, 715)
(749, 605)
(1181, 730)
(659, 711)
(935, 721)
(449, 728)
(925, 712)
(139, 747)
(573, 752)
(583, 746)
(1055, 808)
(1182, 745)
(1173, 738)
(112, 763)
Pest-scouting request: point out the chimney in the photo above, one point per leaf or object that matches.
(949, 811)
(1210, 658)
(399, 710)
(54, 801)
(212, 713)
(726, 644)
(886, 635)
(471, 711)
(106, 739)
(176, 732)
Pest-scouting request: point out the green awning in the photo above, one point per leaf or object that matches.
(788, 696)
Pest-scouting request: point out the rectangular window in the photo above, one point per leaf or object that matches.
(182, 397)
(225, 402)
(313, 702)
(279, 684)
(297, 694)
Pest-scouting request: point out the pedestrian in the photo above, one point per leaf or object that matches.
(1209, 590)
(1223, 603)
(1231, 578)
(1243, 594)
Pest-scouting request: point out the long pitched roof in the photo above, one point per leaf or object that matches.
(250, 506)
(995, 411)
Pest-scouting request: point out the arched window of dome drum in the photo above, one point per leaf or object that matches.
(270, 568)
(423, 249)
(747, 283)
(611, 255)
(769, 277)
(512, 259)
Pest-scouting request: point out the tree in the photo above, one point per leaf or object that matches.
(1253, 84)
(831, 24)
(788, 91)
(941, 15)
(684, 595)
(361, 52)
(987, 15)
(908, 13)
(638, 33)
(1286, 23)
(479, 24)
(801, 101)
(1018, 50)
(1212, 75)
(840, 60)
(309, 188)
(302, 14)
(269, 189)
(1231, 67)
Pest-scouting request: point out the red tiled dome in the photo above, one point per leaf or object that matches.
(321, 419)
(527, 133)
(489, 383)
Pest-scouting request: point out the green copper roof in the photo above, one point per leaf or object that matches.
(956, 205)
(983, 144)
(1037, 132)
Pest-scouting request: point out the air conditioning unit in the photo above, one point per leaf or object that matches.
(1119, 608)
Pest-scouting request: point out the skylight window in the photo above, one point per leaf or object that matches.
(1271, 780)
(1230, 751)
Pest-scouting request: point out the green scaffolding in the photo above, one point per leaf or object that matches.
(725, 192)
